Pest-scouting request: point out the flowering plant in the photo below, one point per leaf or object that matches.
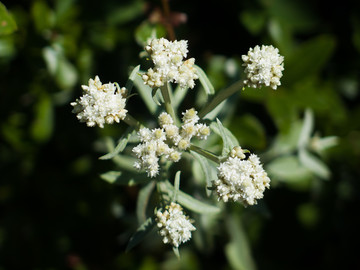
(235, 174)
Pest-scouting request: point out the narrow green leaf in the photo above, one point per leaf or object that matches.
(308, 59)
(314, 164)
(204, 80)
(111, 176)
(143, 200)
(229, 141)
(176, 252)
(307, 129)
(147, 30)
(321, 144)
(238, 250)
(119, 148)
(125, 162)
(190, 202)
(178, 97)
(7, 22)
(145, 93)
(141, 233)
(43, 16)
(58, 66)
(207, 168)
(155, 97)
(42, 127)
(124, 178)
(130, 83)
(176, 185)
(288, 169)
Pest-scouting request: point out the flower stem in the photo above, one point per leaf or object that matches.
(220, 97)
(168, 107)
(205, 153)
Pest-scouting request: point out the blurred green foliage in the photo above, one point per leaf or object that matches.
(57, 213)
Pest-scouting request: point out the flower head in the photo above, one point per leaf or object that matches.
(169, 66)
(100, 103)
(263, 67)
(167, 141)
(174, 226)
(241, 179)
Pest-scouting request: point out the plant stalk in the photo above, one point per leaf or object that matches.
(205, 153)
(220, 97)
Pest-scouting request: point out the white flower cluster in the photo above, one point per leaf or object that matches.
(152, 147)
(263, 67)
(175, 227)
(190, 128)
(167, 141)
(169, 66)
(100, 103)
(241, 179)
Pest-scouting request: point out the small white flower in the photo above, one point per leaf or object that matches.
(190, 116)
(263, 67)
(100, 103)
(242, 180)
(174, 226)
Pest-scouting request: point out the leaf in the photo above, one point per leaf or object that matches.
(7, 22)
(125, 162)
(308, 59)
(147, 30)
(176, 252)
(125, 13)
(288, 169)
(43, 16)
(141, 233)
(249, 131)
(314, 164)
(119, 148)
(130, 83)
(145, 93)
(176, 185)
(178, 97)
(143, 200)
(124, 178)
(58, 66)
(111, 176)
(229, 141)
(253, 20)
(43, 124)
(238, 250)
(204, 80)
(307, 129)
(155, 96)
(207, 168)
(321, 144)
(286, 142)
(190, 202)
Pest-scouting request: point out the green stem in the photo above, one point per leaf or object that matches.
(205, 153)
(168, 107)
(131, 121)
(220, 97)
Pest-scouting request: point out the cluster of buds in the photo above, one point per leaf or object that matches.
(169, 66)
(174, 226)
(167, 141)
(241, 179)
(100, 103)
(263, 67)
